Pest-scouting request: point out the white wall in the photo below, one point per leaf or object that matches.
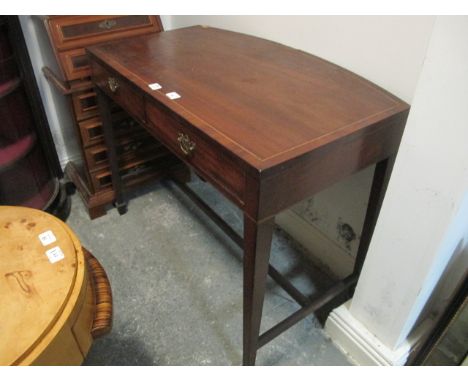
(388, 51)
(424, 219)
(56, 105)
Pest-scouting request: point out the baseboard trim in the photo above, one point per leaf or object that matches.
(323, 251)
(70, 158)
(361, 346)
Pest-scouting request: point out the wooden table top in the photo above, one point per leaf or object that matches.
(264, 101)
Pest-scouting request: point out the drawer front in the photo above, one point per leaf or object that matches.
(91, 129)
(78, 31)
(102, 180)
(128, 148)
(96, 157)
(75, 64)
(207, 159)
(85, 104)
(119, 90)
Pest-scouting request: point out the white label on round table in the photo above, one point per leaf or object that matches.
(55, 254)
(47, 238)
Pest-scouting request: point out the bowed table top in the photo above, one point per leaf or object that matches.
(265, 102)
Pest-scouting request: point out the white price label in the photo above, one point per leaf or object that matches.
(155, 86)
(55, 254)
(47, 238)
(172, 95)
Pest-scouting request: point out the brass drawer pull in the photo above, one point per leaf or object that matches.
(107, 24)
(113, 84)
(186, 145)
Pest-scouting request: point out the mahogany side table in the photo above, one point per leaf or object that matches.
(266, 124)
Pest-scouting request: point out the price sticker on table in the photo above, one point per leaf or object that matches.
(173, 95)
(154, 86)
(47, 238)
(55, 254)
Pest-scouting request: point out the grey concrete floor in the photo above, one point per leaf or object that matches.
(177, 286)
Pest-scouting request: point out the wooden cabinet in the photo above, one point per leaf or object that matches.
(141, 157)
(71, 32)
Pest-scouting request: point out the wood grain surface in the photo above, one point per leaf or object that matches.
(47, 308)
(266, 124)
(262, 100)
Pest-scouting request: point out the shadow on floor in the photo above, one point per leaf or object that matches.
(118, 351)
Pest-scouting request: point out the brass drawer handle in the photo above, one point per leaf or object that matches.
(186, 145)
(107, 24)
(113, 84)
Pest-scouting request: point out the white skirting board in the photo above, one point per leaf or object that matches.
(361, 346)
(72, 158)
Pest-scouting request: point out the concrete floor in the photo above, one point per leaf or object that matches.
(177, 286)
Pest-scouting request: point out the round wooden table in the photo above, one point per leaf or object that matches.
(55, 298)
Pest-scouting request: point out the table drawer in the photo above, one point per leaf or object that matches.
(207, 158)
(119, 90)
(79, 31)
